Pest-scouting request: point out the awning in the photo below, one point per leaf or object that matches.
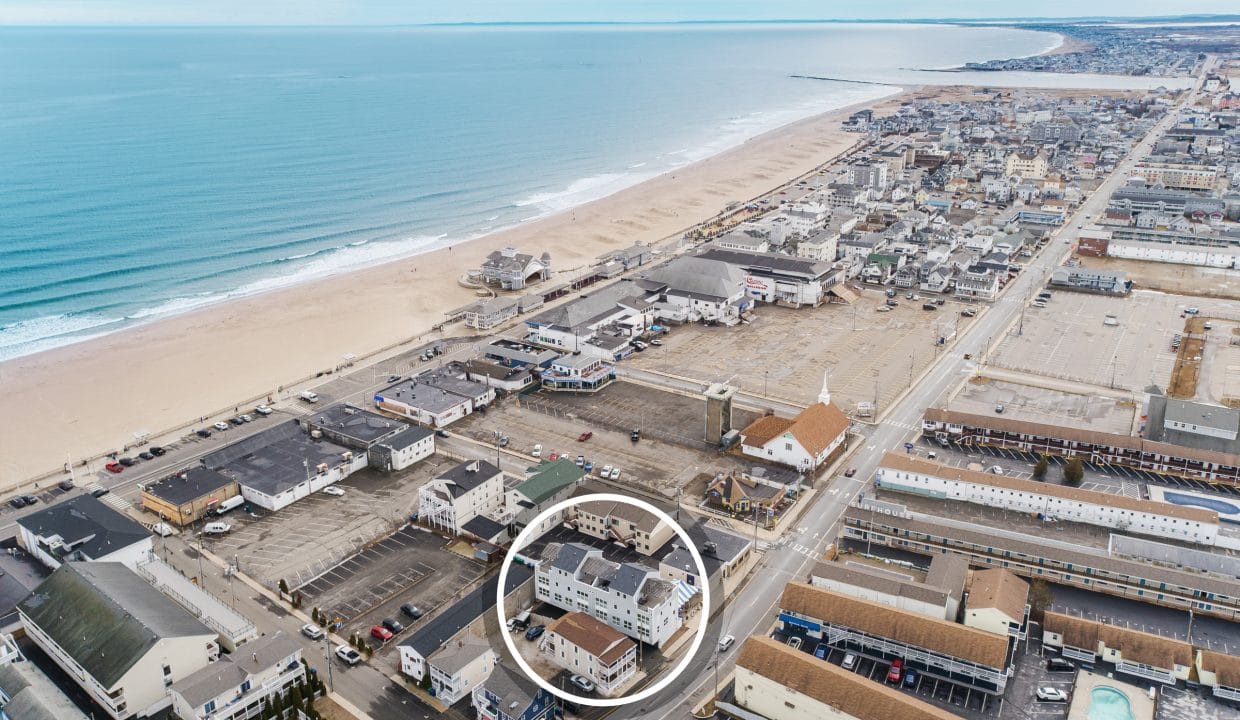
(684, 591)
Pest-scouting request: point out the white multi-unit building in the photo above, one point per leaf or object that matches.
(621, 523)
(903, 473)
(583, 644)
(116, 636)
(235, 686)
(630, 598)
(83, 528)
(452, 500)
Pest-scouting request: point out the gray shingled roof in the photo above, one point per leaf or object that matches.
(33, 696)
(231, 670)
(86, 526)
(106, 617)
(468, 475)
(700, 277)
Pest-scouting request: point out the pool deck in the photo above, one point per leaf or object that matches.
(1082, 694)
(1213, 502)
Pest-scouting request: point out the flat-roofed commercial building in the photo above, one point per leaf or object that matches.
(1096, 448)
(893, 589)
(1052, 560)
(83, 529)
(776, 681)
(189, 495)
(900, 472)
(937, 648)
(778, 278)
(1145, 655)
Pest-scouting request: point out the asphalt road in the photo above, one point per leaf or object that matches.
(753, 610)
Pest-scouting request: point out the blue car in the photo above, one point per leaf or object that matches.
(910, 678)
(588, 466)
(534, 632)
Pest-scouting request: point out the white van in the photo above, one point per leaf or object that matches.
(216, 528)
(231, 503)
(309, 396)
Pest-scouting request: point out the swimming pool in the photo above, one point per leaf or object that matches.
(1222, 507)
(1107, 703)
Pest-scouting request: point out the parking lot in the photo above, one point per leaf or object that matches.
(671, 453)
(1017, 464)
(961, 700)
(1207, 632)
(410, 566)
(316, 533)
(1100, 413)
(1067, 339)
(783, 351)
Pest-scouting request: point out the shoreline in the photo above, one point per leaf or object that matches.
(88, 398)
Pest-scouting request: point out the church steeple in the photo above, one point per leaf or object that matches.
(824, 395)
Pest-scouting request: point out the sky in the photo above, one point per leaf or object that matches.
(405, 12)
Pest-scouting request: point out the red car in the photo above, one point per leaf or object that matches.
(115, 467)
(554, 456)
(381, 633)
(897, 667)
(585, 436)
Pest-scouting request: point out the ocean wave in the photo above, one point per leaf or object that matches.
(583, 191)
(42, 333)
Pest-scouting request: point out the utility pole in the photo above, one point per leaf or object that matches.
(1020, 329)
(327, 654)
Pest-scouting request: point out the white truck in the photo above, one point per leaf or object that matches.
(231, 503)
(309, 396)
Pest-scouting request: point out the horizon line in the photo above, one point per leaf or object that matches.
(735, 21)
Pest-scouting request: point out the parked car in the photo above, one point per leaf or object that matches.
(635, 435)
(157, 451)
(1058, 664)
(115, 467)
(726, 642)
(580, 461)
(615, 473)
(1191, 310)
(263, 410)
(221, 426)
(656, 342)
(605, 472)
(314, 632)
(503, 441)
(203, 433)
(380, 633)
(393, 625)
(128, 461)
(216, 528)
(534, 632)
(537, 450)
(896, 671)
(583, 683)
(146, 455)
(585, 436)
(850, 661)
(883, 308)
(65, 485)
(17, 503)
(554, 455)
(333, 490)
(245, 418)
(968, 312)
(588, 466)
(1051, 694)
(999, 408)
(30, 499)
(910, 678)
(348, 655)
(411, 610)
(236, 420)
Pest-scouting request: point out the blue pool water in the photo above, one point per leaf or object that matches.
(1222, 507)
(1109, 704)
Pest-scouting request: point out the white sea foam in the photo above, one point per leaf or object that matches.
(43, 333)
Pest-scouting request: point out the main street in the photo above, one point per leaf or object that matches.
(752, 610)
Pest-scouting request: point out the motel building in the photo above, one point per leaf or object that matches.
(904, 473)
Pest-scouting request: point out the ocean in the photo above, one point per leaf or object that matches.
(148, 172)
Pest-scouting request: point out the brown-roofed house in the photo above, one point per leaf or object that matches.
(585, 645)
(773, 680)
(739, 495)
(1222, 671)
(997, 602)
(945, 640)
(804, 442)
(1170, 658)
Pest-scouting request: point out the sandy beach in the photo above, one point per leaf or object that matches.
(77, 402)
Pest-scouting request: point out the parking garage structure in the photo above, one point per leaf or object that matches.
(940, 649)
